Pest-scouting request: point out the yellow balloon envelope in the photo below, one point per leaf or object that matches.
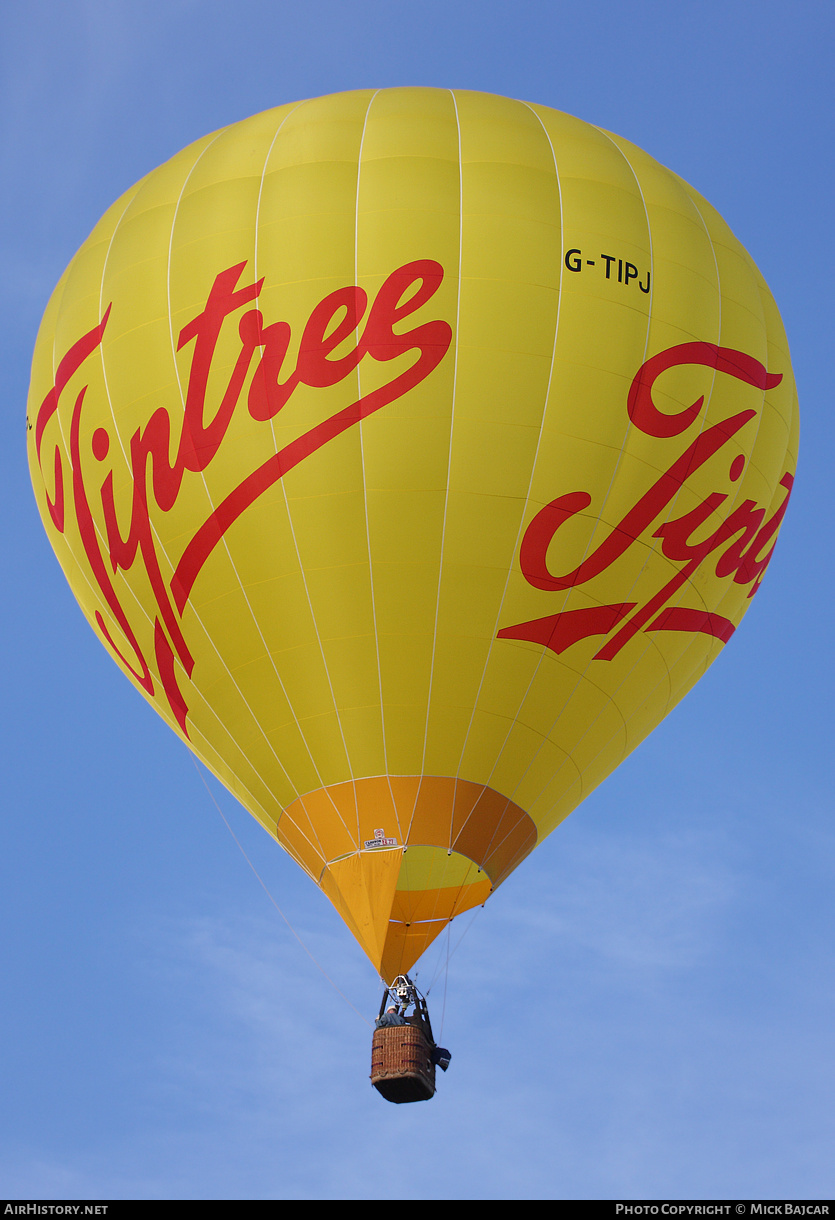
(413, 452)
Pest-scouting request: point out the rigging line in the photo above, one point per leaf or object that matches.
(362, 455)
(437, 968)
(206, 145)
(433, 659)
(446, 980)
(263, 885)
(452, 952)
(533, 473)
(651, 644)
(581, 675)
(193, 607)
(324, 787)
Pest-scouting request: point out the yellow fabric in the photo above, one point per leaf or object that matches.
(411, 433)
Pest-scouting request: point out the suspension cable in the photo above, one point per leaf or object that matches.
(272, 900)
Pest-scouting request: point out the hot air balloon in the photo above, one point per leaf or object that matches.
(413, 452)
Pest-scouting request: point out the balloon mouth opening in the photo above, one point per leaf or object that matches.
(400, 856)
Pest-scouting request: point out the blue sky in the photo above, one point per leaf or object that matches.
(645, 1009)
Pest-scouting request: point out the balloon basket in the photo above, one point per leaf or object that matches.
(401, 1064)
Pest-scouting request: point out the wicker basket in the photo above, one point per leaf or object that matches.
(401, 1064)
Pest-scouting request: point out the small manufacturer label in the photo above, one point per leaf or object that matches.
(379, 840)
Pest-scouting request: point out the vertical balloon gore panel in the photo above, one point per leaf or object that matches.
(413, 452)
